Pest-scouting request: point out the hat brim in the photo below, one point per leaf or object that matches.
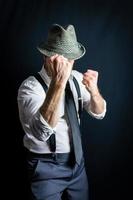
(71, 55)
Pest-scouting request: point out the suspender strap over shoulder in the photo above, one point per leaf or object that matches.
(41, 81)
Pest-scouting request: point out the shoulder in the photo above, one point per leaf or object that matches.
(78, 75)
(30, 84)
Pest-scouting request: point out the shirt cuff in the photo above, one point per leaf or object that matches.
(101, 115)
(48, 130)
(40, 128)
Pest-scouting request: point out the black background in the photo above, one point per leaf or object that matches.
(105, 28)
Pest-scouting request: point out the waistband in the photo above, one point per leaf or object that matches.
(59, 157)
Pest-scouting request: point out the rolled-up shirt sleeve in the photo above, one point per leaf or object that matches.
(97, 116)
(40, 128)
(30, 98)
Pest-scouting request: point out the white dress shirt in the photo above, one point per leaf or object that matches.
(30, 98)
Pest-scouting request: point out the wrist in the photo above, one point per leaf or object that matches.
(95, 96)
(95, 92)
(58, 84)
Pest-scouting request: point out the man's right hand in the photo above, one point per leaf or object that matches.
(59, 68)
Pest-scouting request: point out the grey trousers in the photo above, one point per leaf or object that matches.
(51, 180)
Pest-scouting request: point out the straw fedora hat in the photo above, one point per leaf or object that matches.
(62, 41)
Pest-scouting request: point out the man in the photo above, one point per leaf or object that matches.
(49, 106)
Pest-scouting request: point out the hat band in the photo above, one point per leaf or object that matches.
(65, 48)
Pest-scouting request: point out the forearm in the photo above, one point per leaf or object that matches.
(59, 69)
(96, 103)
(50, 107)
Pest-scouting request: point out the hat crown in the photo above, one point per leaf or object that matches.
(62, 41)
(62, 36)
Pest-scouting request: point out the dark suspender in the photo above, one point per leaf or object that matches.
(41, 81)
(52, 141)
(79, 96)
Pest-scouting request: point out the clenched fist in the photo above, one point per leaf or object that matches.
(59, 68)
(90, 80)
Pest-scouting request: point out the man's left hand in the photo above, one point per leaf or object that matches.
(90, 80)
